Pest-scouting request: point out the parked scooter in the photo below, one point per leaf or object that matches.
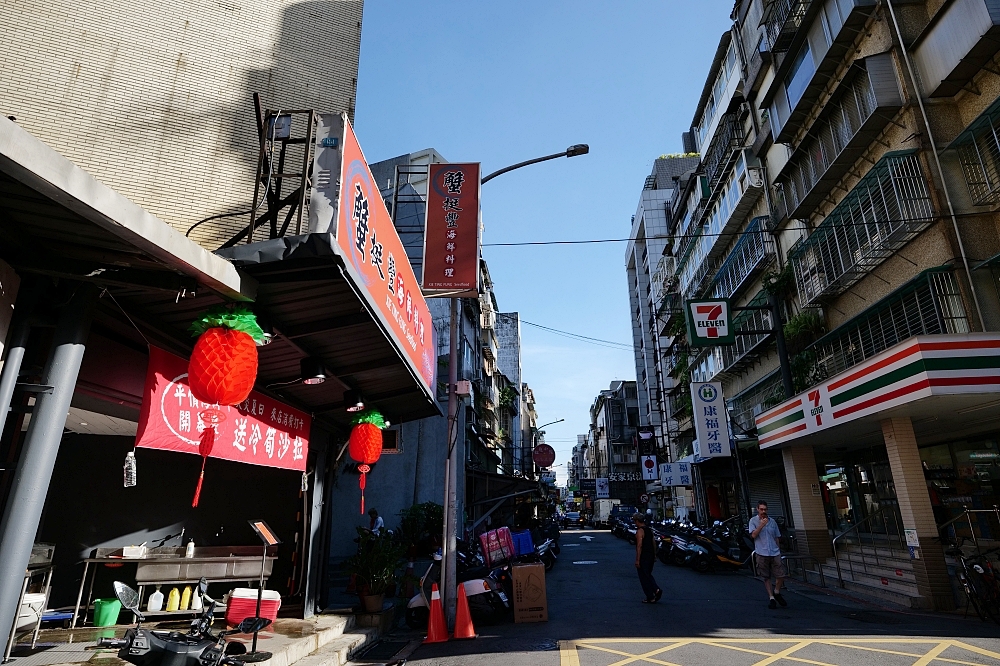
(721, 547)
(198, 647)
(488, 602)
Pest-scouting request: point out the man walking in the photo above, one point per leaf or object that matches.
(765, 535)
(645, 554)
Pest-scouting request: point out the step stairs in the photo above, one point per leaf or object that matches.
(333, 641)
(887, 579)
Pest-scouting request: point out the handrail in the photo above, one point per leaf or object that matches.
(967, 514)
(805, 576)
(856, 528)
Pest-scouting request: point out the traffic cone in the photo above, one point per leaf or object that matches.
(437, 630)
(463, 620)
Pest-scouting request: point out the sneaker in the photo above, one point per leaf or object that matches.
(659, 593)
(772, 604)
(780, 599)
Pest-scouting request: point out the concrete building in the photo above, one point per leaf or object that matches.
(847, 167)
(159, 96)
(614, 422)
(508, 333)
(529, 426)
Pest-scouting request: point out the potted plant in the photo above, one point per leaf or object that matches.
(374, 566)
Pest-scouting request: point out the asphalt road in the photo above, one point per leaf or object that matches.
(596, 618)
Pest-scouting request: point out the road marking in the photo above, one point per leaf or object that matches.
(934, 652)
(768, 654)
(570, 545)
(585, 562)
(588, 538)
(567, 654)
(784, 654)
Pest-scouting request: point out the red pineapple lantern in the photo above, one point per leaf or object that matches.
(365, 444)
(222, 369)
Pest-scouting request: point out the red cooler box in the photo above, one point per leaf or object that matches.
(243, 604)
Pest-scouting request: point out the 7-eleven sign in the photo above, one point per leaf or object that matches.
(709, 323)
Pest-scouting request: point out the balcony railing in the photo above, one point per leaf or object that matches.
(722, 151)
(782, 20)
(701, 278)
(753, 251)
(664, 279)
(763, 395)
(744, 347)
(930, 304)
(887, 208)
(848, 126)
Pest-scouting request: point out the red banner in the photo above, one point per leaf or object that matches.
(378, 263)
(451, 234)
(258, 431)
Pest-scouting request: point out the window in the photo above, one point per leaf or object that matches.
(392, 440)
(800, 75)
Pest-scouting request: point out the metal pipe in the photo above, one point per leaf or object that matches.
(450, 590)
(41, 445)
(20, 329)
(937, 162)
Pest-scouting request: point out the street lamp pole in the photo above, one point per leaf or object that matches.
(455, 463)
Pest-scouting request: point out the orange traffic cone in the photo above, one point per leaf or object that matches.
(463, 620)
(437, 630)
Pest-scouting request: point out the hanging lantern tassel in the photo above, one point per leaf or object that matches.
(365, 444)
(205, 448)
(364, 469)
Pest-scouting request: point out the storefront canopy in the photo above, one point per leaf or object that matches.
(949, 385)
(57, 220)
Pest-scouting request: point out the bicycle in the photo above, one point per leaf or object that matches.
(979, 580)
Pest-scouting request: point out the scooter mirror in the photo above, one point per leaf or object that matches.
(202, 586)
(252, 625)
(128, 596)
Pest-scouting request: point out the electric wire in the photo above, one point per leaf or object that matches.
(623, 346)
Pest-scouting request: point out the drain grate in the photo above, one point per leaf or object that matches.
(384, 650)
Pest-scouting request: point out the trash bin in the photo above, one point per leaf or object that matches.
(106, 612)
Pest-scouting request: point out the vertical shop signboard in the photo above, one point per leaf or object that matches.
(711, 420)
(675, 474)
(603, 488)
(648, 467)
(377, 264)
(259, 431)
(451, 232)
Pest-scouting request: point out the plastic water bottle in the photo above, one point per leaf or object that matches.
(189, 550)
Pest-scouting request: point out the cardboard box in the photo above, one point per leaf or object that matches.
(530, 604)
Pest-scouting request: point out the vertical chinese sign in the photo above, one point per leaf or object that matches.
(376, 262)
(451, 233)
(258, 431)
(711, 420)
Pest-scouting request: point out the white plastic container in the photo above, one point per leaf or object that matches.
(155, 604)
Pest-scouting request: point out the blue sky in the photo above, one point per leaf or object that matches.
(502, 82)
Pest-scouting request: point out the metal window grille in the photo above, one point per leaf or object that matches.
(733, 356)
(719, 156)
(752, 251)
(783, 19)
(888, 207)
(828, 139)
(979, 153)
(929, 305)
(706, 269)
(760, 397)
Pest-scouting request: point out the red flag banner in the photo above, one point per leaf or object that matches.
(258, 431)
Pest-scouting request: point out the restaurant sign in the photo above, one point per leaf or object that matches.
(377, 264)
(258, 431)
(451, 238)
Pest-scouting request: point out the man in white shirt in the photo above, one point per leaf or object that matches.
(765, 535)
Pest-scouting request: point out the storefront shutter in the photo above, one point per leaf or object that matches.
(766, 485)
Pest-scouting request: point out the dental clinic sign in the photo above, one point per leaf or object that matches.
(709, 323)
(711, 420)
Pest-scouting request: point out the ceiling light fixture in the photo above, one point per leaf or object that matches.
(312, 371)
(353, 401)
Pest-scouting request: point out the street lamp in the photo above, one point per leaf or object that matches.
(455, 460)
(572, 151)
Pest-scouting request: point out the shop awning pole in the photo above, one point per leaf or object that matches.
(41, 445)
(20, 328)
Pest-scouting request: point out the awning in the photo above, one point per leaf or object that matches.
(59, 221)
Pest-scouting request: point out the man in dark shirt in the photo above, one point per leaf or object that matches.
(645, 554)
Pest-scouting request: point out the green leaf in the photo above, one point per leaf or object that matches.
(235, 317)
(369, 416)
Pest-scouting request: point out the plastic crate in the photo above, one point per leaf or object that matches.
(523, 544)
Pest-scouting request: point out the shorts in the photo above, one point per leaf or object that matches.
(769, 566)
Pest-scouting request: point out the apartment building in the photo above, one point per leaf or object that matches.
(848, 168)
(611, 450)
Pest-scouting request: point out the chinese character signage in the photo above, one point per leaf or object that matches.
(258, 431)
(603, 488)
(711, 420)
(709, 323)
(451, 234)
(647, 465)
(376, 263)
(675, 474)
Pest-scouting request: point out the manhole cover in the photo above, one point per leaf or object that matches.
(585, 562)
(545, 645)
(872, 618)
(384, 650)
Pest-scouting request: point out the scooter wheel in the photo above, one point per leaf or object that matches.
(416, 618)
(555, 547)
(549, 562)
(631, 540)
(701, 565)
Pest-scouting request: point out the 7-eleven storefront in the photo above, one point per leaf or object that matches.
(913, 432)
